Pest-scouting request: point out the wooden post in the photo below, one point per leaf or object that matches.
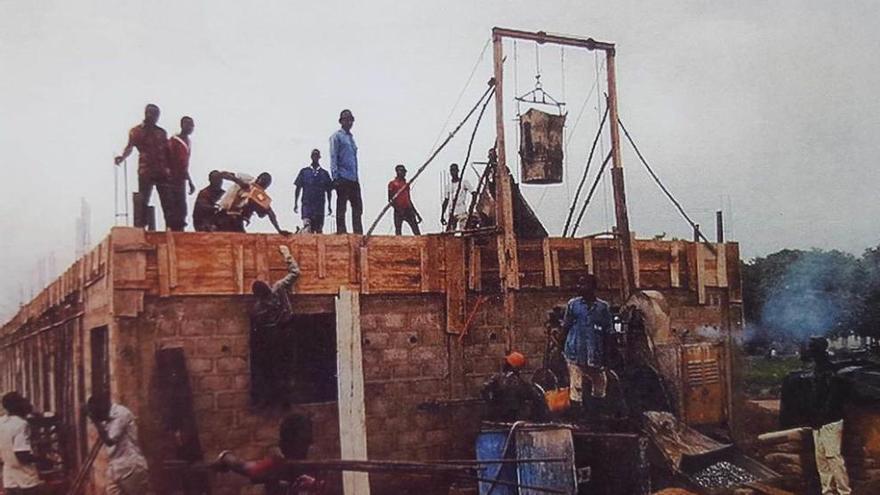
(620, 211)
(350, 372)
(719, 227)
(508, 265)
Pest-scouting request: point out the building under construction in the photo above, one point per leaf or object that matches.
(402, 330)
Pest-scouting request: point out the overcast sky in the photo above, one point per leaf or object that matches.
(765, 109)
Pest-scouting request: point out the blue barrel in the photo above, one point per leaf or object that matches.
(490, 444)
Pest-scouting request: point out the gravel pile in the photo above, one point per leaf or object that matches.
(722, 475)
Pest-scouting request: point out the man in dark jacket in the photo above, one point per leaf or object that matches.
(509, 397)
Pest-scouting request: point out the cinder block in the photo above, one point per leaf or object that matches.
(200, 365)
(428, 354)
(375, 340)
(395, 354)
(232, 400)
(392, 320)
(214, 383)
(203, 402)
(231, 364)
(198, 328)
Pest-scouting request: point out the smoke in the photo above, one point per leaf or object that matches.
(814, 295)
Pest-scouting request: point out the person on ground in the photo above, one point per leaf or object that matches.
(456, 201)
(127, 470)
(270, 318)
(246, 197)
(20, 473)
(151, 142)
(586, 321)
(509, 397)
(179, 151)
(294, 441)
(344, 171)
(401, 201)
(826, 419)
(314, 182)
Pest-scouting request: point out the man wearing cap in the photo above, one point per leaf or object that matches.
(826, 419)
(509, 397)
(404, 210)
(344, 170)
(587, 320)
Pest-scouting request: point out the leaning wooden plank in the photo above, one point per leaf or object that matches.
(350, 382)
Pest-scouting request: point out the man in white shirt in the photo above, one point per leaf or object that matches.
(20, 475)
(458, 194)
(127, 472)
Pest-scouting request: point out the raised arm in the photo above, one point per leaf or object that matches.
(292, 270)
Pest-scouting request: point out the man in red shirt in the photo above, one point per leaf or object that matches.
(178, 176)
(404, 210)
(151, 142)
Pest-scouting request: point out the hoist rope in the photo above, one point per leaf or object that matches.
(580, 187)
(662, 187)
(467, 159)
(463, 90)
(590, 194)
(487, 93)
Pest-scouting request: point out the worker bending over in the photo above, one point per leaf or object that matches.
(587, 320)
(206, 212)
(399, 197)
(20, 473)
(315, 184)
(509, 397)
(294, 440)
(242, 200)
(127, 472)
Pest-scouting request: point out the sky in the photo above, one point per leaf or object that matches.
(765, 110)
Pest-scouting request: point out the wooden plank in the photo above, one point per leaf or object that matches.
(475, 274)
(260, 256)
(700, 255)
(674, 270)
(423, 269)
(734, 280)
(172, 260)
(353, 265)
(238, 266)
(554, 257)
(455, 285)
(721, 265)
(322, 257)
(548, 263)
(365, 270)
(635, 266)
(162, 265)
(350, 373)
(588, 255)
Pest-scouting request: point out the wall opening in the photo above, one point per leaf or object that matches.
(294, 363)
(100, 361)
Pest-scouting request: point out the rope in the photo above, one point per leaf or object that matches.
(463, 89)
(488, 92)
(662, 187)
(580, 187)
(464, 166)
(590, 194)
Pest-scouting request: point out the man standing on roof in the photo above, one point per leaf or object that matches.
(458, 195)
(404, 210)
(178, 176)
(151, 142)
(127, 472)
(206, 211)
(344, 170)
(315, 183)
(587, 320)
(20, 474)
(270, 317)
(242, 200)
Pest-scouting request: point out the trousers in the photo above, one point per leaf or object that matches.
(407, 215)
(348, 191)
(173, 204)
(598, 381)
(146, 183)
(827, 441)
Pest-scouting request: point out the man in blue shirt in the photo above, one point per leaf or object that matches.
(587, 320)
(344, 169)
(315, 182)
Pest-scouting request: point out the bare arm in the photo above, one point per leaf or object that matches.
(296, 199)
(274, 221)
(443, 211)
(126, 152)
(329, 205)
